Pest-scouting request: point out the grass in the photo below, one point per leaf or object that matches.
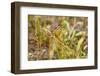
(57, 37)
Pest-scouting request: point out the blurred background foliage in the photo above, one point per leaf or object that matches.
(57, 37)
